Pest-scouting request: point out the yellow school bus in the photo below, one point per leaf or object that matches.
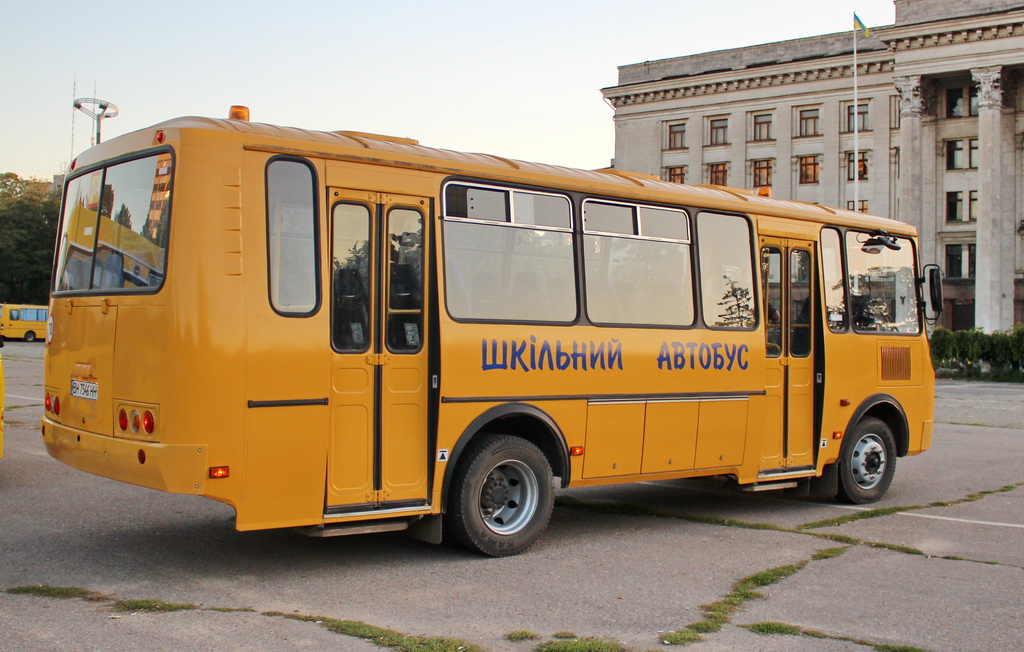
(2, 401)
(23, 322)
(344, 332)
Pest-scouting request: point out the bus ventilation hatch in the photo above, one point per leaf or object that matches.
(895, 363)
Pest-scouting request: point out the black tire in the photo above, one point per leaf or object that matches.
(867, 462)
(500, 499)
(30, 336)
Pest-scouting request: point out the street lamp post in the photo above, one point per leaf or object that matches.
(103, 109)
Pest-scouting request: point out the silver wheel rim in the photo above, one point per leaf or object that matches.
(868, 461)
(508, 497)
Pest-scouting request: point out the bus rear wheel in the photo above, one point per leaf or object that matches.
(30, 336)
(867, 463)
(501, 499)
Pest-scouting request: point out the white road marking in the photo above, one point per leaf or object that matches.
(27, 398)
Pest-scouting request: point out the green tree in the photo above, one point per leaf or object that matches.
(123, 217)
(28, 226)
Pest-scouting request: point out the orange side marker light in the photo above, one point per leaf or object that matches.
(220, 471)
(575, 451)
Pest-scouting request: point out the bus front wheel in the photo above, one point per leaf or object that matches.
(867, 463)
(30, 336)
(501, 497)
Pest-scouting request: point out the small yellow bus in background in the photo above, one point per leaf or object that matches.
(343, 332)
(23, 322)
(3, 400)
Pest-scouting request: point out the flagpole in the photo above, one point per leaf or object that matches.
(856, 116)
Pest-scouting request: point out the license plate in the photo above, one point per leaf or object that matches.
(85, 389)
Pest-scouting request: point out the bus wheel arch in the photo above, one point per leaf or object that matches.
(521, 420)
(888, 410)
(497, 491)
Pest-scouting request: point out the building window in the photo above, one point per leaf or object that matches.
(954, 261)
(972, 156)
(809, 122)
(677, 136)
(718, 174)
(718, 131)
(676, 174)
(860, 206)
(971, 249)
(763, 126)
(861, 117)
(954, 206)
(954, 154)
(972, 206)
(962, 101)
(762, 173)
(809, 169)
(861, 167)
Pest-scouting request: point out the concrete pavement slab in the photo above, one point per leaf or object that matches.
(79, 625)
(900, 599)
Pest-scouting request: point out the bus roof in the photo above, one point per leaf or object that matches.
(406, 152)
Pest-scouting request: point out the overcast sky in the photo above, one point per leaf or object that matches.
(520, 79)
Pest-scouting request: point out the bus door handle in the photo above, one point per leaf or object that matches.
(378, 359)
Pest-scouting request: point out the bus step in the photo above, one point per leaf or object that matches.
(770, 486)
(359, 527)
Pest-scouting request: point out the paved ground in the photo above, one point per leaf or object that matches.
(943, 577)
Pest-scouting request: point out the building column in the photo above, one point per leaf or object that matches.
(911, 206)
(993, 283)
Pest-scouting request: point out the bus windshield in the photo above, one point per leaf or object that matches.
(114, 228)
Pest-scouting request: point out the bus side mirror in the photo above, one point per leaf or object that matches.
(933, 290)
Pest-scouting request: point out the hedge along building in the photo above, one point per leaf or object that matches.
(939, 120)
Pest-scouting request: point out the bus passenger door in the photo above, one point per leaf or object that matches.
(787, 277)
(377, 456)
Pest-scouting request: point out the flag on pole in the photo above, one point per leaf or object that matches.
(857, 24)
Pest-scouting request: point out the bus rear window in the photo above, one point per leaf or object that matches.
(114, 228)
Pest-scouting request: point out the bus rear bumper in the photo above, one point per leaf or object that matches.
(180, 469)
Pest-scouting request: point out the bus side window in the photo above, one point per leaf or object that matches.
(835, 285)
(405, 281)
(771, 279)
(292, 237)
(15, 315)
(727, 278)
(350, 300)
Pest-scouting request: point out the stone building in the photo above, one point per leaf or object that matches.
(935, 137)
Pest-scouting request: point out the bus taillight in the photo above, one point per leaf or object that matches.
(148, 422)
(122, 420)
(49, 403)
(56, 406)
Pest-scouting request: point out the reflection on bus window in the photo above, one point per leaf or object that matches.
(405, 281)
(800, 300)
(350, 297)
(771, 278)
(115, 226)
(727, 278)
(883, 288)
